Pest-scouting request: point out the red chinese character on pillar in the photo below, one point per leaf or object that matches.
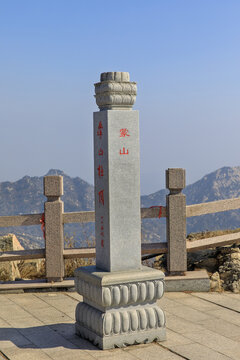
(102, 243)
(99, 132)
(123, 151)
(100, 152)
(101, 197)
(100, 171)
(124, 133)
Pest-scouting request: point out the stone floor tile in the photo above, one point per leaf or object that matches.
(197, 304)
(174, 338)
(4, 324)
(24, 322)
(71, 314)
(50, 315)
(220, 299)
(66, 329)
(153, 352)
(188, 313)
(12, 312)
(6, 344)
(27, 301)
(46, 312)
(27, 354)
(236, 338)
(56, 320)
(232, 295)
(83, 344)
(176, 295)
(221, 327)
(44, 337)
(75, 296)
(50, 295)
(227, 315)
(5, 300)
(117, 356)
(167, 313)
(66, 306)
(166, 303)
(181, 325)
(198, 352)
(61, 304)
(68, 354)
(216, 342)
(102, 354)
(10, 336)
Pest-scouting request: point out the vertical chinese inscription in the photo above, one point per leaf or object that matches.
(124, 133)
(100, 173)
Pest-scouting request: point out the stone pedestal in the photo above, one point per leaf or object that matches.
(119, 308)
(119, 295)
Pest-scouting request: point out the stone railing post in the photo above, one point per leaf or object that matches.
(54, 245)
(176, 222)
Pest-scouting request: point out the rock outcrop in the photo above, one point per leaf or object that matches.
(229, 268)
(222, 265)
(23, 269)
(9, 269)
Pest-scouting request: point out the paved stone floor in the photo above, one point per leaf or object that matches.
(200, 326)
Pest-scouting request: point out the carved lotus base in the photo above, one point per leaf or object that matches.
(119, 308)
(121, 340)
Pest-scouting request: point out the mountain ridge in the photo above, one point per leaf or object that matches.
(25, 196)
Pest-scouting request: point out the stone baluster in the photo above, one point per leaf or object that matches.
(54, 243)
(176, 222)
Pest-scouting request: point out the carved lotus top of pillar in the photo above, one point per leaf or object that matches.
(115, 91)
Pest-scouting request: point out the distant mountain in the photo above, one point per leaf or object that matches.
(26, 196)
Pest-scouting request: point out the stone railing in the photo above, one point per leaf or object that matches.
(175, 213)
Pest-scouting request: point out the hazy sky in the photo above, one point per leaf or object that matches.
(183, 54)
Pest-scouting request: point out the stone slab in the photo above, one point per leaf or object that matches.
(224, 301)
(198, 352)
(152, 352)
(192, 281)
(103, 278)
(197, 281)
(216, 342)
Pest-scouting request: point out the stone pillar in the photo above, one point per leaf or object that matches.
(119, 294)
(54, 243)
(176, 222)
(117, 175)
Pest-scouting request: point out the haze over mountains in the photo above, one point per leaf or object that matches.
(25, 196)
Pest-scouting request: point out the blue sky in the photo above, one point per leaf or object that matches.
(183, 54)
